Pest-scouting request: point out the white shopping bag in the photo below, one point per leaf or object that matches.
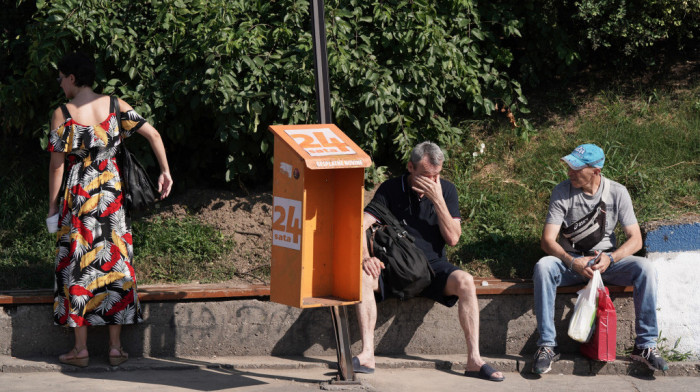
(581, 324)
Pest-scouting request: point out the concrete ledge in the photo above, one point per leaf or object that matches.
(216, 320)
(258, 327)
(673, 238)
(569, 365)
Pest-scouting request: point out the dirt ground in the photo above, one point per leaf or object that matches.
(246, 219)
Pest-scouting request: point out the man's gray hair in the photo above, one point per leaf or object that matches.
(435, 155)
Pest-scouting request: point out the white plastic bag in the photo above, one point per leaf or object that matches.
(581, 324)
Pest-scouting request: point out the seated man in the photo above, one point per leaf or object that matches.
(583, 212)
(428, 206)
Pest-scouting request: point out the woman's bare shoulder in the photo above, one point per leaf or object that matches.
(123, 106)
(57, 118)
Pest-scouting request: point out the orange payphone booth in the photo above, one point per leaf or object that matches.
(318, 192)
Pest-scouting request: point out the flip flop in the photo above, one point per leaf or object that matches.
(485, 373)
(360, 368)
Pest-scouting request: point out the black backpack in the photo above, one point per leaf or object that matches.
(406, 270)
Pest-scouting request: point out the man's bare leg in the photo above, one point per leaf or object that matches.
(461, 284)
(367, 318)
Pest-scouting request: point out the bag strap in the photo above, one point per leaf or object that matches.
(385, 215)
(371, 241)
(605, 197)
(114, 108)
(66, 113)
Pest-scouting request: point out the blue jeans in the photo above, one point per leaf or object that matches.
(550, 273)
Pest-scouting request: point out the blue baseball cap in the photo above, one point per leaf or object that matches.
(585, 155)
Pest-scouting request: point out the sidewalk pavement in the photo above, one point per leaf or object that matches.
(405, 373)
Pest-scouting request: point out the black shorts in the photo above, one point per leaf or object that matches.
(436, 289)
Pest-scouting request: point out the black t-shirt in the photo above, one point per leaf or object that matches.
(418, 215)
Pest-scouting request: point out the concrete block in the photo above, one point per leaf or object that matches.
(255, 327)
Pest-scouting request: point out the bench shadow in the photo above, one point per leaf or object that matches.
(397, 323)
(190, 374)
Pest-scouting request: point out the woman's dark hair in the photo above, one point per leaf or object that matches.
(79, 65)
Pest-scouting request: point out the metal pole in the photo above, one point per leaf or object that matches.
(318, 34)
(346, 374)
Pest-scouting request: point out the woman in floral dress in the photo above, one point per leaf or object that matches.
(95, 282)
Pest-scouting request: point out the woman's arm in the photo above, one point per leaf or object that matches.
(165, 181)
(55, 167)
(55, 180)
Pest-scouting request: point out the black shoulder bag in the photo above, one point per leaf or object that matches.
(138, 191)
(588, 231)
(406, 270)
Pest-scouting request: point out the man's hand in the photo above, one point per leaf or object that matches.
(372, 266)
(429, 188)
(600, 262)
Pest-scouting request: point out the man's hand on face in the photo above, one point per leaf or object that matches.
(428, 187)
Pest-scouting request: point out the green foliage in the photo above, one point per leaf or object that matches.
(212, 75)
(632, 27)
(672, 354)
(26, 249)
(562, 37)
(405, 71)
(179, 250)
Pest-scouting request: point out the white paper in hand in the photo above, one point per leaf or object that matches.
(52, 223)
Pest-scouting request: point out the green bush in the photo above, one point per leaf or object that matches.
(212, 75)
(562, 37)
(634, 27)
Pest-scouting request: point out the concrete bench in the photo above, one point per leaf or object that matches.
(216, 319)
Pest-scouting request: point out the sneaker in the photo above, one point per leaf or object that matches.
(651, 357)
(543, 359)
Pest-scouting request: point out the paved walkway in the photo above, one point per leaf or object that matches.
(243, 374)
(315, 379)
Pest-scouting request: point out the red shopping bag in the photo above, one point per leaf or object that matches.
(602, 345)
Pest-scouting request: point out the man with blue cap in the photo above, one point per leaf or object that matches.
(579, 238)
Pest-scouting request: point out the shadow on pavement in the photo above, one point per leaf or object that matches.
(201, 375)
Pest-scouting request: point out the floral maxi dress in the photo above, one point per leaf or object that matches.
(94, 278)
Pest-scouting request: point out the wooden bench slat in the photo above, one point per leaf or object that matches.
(159, 293)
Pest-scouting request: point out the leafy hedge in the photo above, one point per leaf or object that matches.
(562, 37)
(222, 70)
(211, 75)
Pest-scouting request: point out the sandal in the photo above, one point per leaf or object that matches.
(74, 360)
(486, 372)
(116, 360)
